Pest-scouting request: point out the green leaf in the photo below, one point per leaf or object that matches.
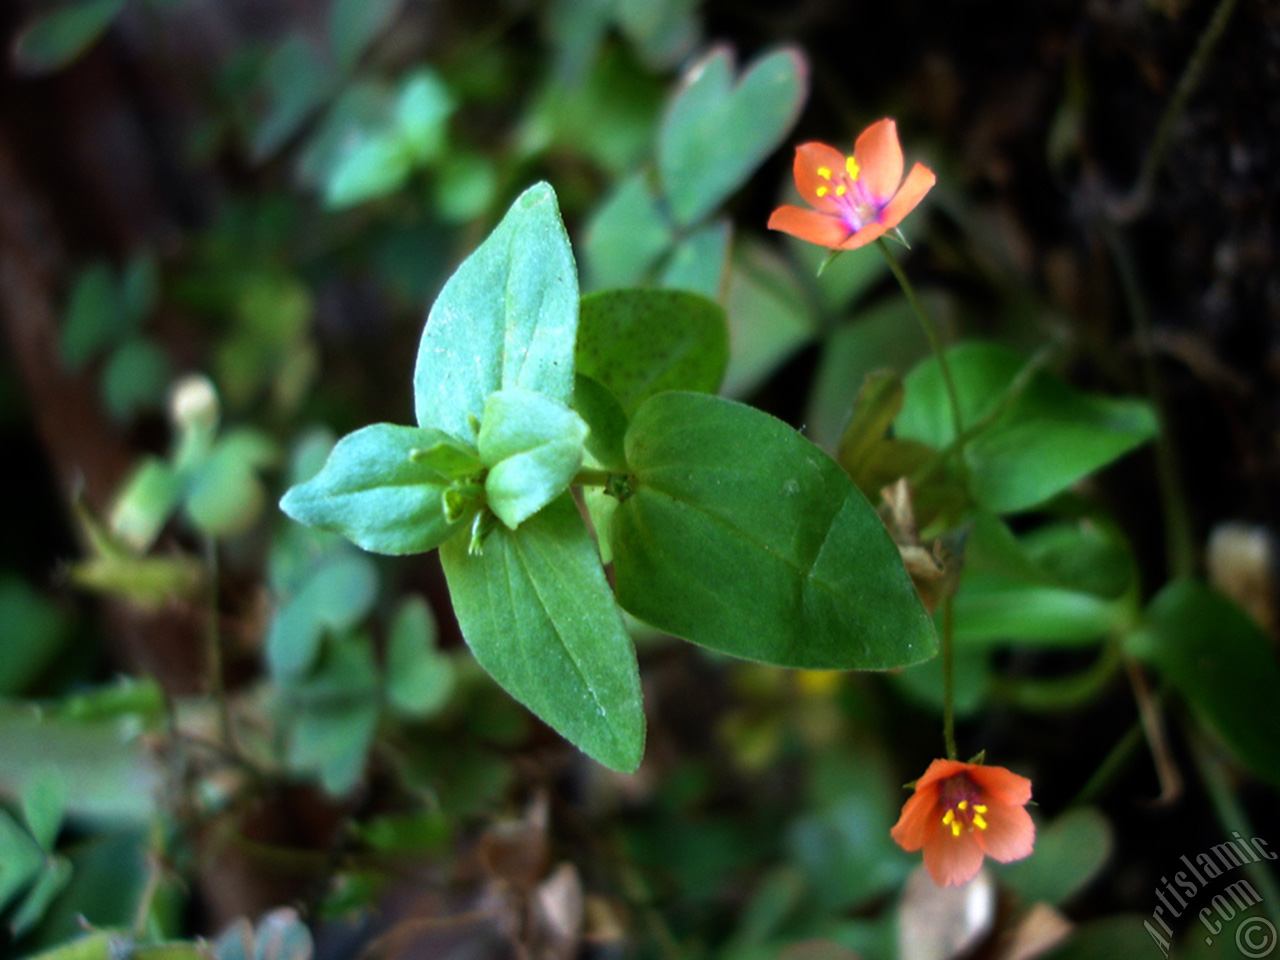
(93, 320)
(43, 803)
(1006, 595)
(640, 342)
(664, 32)
(297, 81)
(506, 318)
(886, 336)
(844, 279)
(466, 184)
(419, 678)
(700, 263)
(743, 536)
(139, 290)
(626, 236)
(769, 317)
(375, 494)
(21, 859)
(1119, 935)
(537, 613)
(335, 598)
(135, 378)
(52, 880)
(354, 24)
(52, 40)
(1214, 655)
(283, 936)
(532, 446)
(375, 165)
(715, 133)
(35, 630)
(605, 419)
(337, 715)
(1070, 852)
(145, 504)
(1038, 444)
(422, 114)
(225, 496)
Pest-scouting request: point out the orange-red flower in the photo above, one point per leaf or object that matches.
(961, 812)
(855, 199)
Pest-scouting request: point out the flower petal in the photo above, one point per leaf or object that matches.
(872, 231)
(952, 860)
(879, 157)
(1010, 833)
(820, 228)
(919, 182)
(1001, 785)
(919, 814)
(810, 158)
(941, 770)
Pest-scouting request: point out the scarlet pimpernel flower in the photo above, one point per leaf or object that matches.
(855, 199)
(961, 812)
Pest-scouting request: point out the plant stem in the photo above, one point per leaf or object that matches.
(213, 647)
(1138, 198)
(1153, 726)
(588, 477)
(1233, 818)
(948, 677)
(930, 331)
(1111, 765)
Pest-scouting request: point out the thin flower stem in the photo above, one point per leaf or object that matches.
(953, 402)
(930, 331)
(1157, 738)
(1110, 767)
(1232, 817)
(1136, 202)
(948, 677)
(213, 647)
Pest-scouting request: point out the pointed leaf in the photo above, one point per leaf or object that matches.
(54, 39)
(538, 615)
(700, 263)
(743, 536)
(337, 596)
(376, 493)
(626, 236)
(507, 318)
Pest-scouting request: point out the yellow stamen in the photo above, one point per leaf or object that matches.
(955, 829)
(824, 173)
(979, 808)
(948, 816)
(979, 822)
(851, 165)
(963, 805)
(841, 190)
(822, 191)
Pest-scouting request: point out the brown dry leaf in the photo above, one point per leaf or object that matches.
(937, 923)
(516, 852)
(1037, 931)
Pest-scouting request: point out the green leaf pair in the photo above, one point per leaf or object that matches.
(725, 526)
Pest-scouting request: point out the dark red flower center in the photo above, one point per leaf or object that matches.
(963, 809)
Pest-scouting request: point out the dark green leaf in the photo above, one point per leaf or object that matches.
(335, 598)
(1037, 444)
(1069, 853)
(1120, 935)
(506, 318)
(626, 236)
(1214, 655)
(640, 342)
(54, 39)
(34, 631)
(52, 881)
(298, 80)
(139, 289)
(135, 378)
(537, 613)
(93, 320)
(373, 492)
(419, 677)
(354, 24)
(532, 446)
(21, 859)
(605, 419)
(743, 536)
(715, 133)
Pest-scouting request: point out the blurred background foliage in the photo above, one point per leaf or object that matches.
(221, 222)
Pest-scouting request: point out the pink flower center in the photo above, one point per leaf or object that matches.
(963, 809)
(857, 206)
